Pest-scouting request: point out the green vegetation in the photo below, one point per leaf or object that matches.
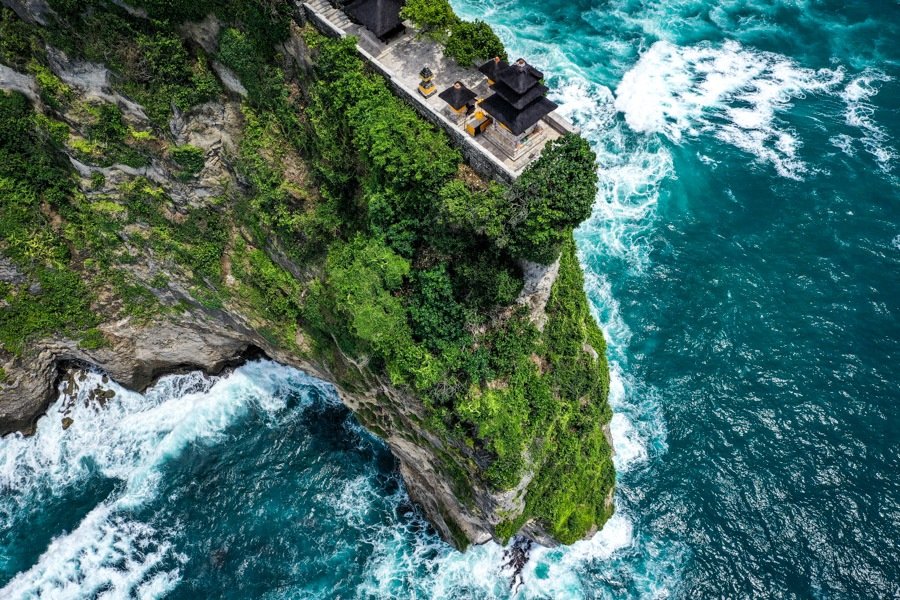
(474, 42)
(434, 18)
(355, 234)
(189, 158)
(17, 40)
(553, 195)
(464, 41)
(570, 492)
(417, 290)
(51, 298)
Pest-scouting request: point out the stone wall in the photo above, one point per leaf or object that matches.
(485, 163)
(482, 161)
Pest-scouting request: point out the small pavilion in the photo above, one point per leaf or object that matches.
(459, 98)
(492, 68)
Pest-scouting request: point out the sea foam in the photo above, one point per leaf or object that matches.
(730, 91)
(128, 438)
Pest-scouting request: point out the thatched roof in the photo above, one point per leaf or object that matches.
(519, 101)
(493, 67)
(520, 76)
(457, 95)
(381, 17)
(518, 121)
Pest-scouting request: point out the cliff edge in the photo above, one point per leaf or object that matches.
(220, 181)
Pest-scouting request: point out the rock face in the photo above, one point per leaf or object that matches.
(135, 357)
(210, 341)
(444, 481)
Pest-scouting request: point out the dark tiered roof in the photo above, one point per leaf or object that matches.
(519, 101)
(517, 120)
(519, 76)
(493, 67)
(381, 17)
(457, 95)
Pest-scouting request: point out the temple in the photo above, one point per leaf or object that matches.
(459, 99)
(498, 115)
(516, 107)
(381, 17)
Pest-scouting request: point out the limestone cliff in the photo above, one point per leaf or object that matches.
(196, 224)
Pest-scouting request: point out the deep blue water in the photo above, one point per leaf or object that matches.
(744, 260)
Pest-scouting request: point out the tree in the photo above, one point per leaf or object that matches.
(554, 194)
(473, 41)
(433, 17)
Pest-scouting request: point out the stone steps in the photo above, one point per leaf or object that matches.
(333, 15)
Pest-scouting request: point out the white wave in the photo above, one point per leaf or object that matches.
(354, 501)
(129, 438)
(730, 91)
(844, 143)
(106, 556)
(555, 572)
(859, 113)
(630, 448)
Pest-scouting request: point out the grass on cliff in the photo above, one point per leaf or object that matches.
(406, 264)
(48, 297)
(419, 287)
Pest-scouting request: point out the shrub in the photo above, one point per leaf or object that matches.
(433, 17)
(264, 83)
(190, 158)
(437, 318)
(475, 212)
(163, 58)
(108, 127)
(15, 39)
(361, 275)
(473, 41)
(61, 306)
(401, 150)
(554, 194)
(53, 91)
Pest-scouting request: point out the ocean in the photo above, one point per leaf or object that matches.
(743, 259)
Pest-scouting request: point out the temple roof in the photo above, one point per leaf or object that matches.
(519, 101)
(517, 120)
(381, 17)
(520, 76)
(457, 95)
(493, 67)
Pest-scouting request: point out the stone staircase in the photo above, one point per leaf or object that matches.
(335, 16)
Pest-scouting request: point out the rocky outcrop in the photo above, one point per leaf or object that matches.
(135, 357)
(442, 475)
(138, 354)
(539, 280)
(92, 82)
(30, 11)
(18, 82)
(443, 480)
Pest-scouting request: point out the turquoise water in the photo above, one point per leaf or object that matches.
(743, 259)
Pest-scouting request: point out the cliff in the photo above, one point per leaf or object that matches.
(186, 193)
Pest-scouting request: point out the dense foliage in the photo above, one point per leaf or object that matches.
(419, 290)
(47, 297)
(553, 195)
(472, 43)
(433, 17)
(464, 41)
(357, 234)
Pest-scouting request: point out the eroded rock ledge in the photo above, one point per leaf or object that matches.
(446, 472)
(140, 354)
